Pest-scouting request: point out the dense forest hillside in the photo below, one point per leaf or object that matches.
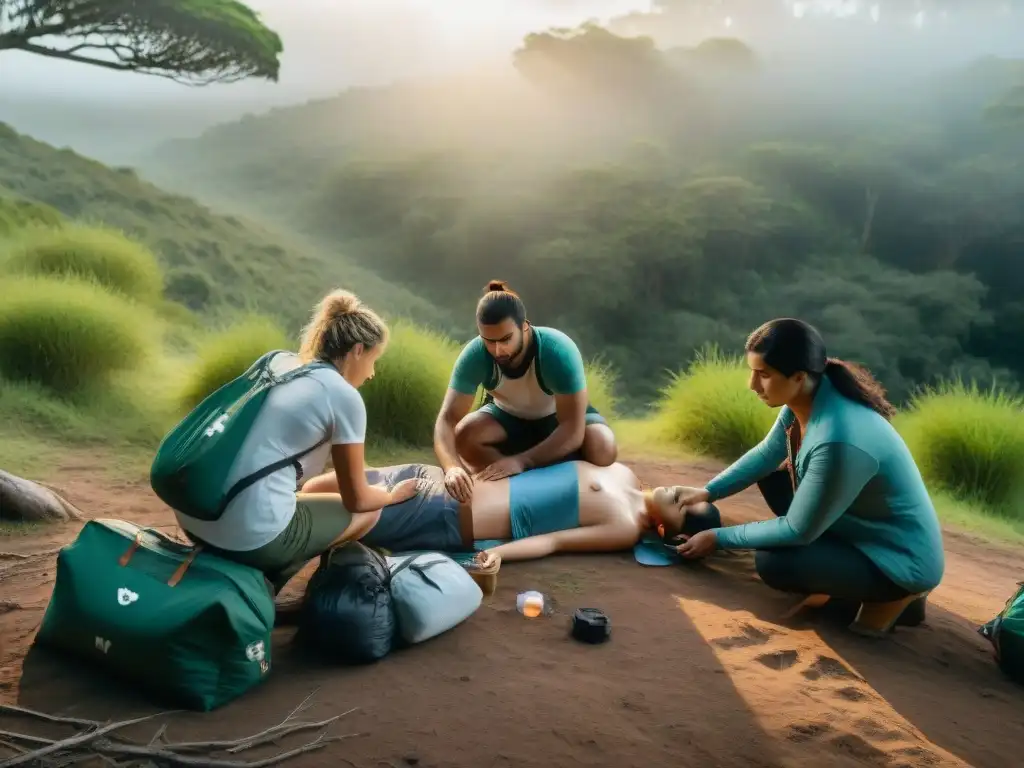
(213, 263)
(650, 202)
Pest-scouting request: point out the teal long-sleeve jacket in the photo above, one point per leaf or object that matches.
(856, 480)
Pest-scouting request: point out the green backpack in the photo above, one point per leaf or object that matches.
(1006, 633)
(194, 458)
(187, 627)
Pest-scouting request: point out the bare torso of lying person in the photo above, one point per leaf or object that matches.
(605, 495)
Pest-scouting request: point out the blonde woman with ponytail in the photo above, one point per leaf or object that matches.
(272, 526)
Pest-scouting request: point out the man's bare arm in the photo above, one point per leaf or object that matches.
(571, 411)
(455, 407)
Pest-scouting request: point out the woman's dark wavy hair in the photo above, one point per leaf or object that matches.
(789, 346)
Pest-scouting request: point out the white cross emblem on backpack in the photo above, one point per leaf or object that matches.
(217, 426)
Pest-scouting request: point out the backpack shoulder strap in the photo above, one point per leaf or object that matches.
(494, 378)
(259, 474)
(537, 367)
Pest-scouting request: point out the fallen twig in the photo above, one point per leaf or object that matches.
(26, 737)
(271, 734)
(158, 735)
(269, 737)
(15, 709)
(73, 741)
(99, 741)
(164, 755)
(12, 745)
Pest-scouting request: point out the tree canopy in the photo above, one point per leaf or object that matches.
(652, 201)
(191, 41)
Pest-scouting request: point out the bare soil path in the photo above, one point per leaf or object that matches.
(700, 671)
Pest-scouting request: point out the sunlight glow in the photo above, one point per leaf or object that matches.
(794, 683)
(455, 19)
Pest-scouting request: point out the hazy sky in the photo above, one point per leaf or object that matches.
(330, 44)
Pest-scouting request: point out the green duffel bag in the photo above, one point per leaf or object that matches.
(190, 628)
(1006, 633)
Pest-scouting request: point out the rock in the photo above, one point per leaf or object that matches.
(25, 501)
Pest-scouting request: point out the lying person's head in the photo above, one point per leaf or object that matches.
(667, 509)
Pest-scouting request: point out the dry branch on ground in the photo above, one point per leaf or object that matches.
(100, 740)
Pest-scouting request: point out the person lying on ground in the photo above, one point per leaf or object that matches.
(536, 410)
(572, 506)
(854, 520)
(270, 526)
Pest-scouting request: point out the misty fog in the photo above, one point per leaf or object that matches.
(330, 45)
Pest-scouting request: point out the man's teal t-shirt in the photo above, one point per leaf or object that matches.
(856, 480)
(558, 361)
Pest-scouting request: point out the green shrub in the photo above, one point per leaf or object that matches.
(191, 287)
(69, 335)
(16, 213)
(968, 442)
(108, 257)
(710, 409)
(403, 398)
(601, 389)
(228, 353)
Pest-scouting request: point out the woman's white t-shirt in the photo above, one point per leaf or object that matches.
(295, 416)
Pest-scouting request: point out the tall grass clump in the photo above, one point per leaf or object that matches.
(69, 335)
(403, 398)
(710, 409)
(968, 442)
(601, 382)
(16, 213)
(228, 353)
(108, 257)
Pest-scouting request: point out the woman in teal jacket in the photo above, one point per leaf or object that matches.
(853, 519)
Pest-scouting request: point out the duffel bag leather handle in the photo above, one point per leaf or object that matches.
(179, 572)
(136, 543)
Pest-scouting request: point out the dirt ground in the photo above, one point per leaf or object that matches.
(700, 670)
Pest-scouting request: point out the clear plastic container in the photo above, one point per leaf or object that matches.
(530, 604)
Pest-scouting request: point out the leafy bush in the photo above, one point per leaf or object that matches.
(108, 257)
(403, 398)
(968, 442)
(69, 335)
(710, 409)
(227, 354)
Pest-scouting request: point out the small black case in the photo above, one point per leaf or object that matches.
(589, 625)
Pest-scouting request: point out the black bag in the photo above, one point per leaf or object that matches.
(347, 614)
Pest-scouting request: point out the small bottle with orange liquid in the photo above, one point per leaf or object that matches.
(530, 604)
